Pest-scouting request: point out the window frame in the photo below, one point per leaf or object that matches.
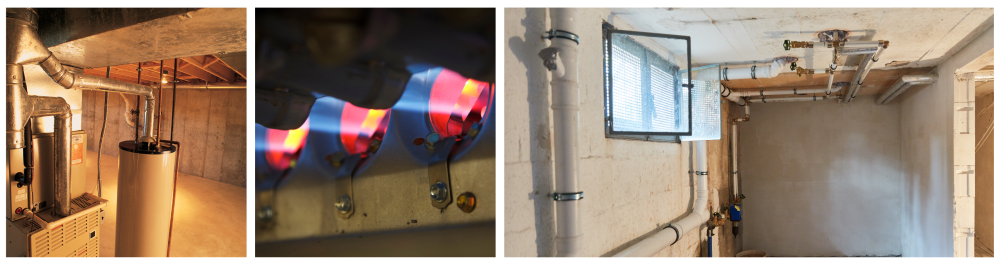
(609, 30)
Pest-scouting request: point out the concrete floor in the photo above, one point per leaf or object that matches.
(210, 218)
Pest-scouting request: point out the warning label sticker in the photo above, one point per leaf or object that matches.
(77, 149)
(20, 197)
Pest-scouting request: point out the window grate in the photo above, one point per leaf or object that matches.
(644, 89)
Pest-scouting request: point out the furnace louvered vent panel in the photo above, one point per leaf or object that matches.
(73, 232)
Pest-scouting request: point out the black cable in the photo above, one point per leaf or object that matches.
(100, 142)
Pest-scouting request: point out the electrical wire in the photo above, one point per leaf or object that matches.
(986, 135)
(984, 110)
(984, 247)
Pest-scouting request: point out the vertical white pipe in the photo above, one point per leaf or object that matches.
(565, 112)
(736, 169)
(699, 214)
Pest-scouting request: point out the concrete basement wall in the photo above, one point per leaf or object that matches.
(929, 159)
(822, 178)
(631, 187)
(984, 175)
(211, 127)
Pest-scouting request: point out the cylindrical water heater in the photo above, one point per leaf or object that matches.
(146, 180)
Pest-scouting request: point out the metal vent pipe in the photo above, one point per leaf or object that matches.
(25, 47)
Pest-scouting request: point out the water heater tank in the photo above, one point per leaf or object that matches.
(146, 181)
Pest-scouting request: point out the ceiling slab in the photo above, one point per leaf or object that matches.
(204, 31)
(920, 36)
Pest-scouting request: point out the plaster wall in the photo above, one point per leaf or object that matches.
(822, 178)
(938, 159)
(631, 187)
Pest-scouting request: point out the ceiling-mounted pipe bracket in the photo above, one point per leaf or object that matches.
(555, 33)
(567, 196)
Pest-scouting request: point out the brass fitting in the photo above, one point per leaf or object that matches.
(803, 71)
(800, 44)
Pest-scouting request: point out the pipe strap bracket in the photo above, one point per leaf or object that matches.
(676, 231)
(700, 173)
(567, 196)
(555, 33)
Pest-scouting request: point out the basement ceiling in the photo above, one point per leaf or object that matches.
(919, 38)
(196, 70)
(198, 32)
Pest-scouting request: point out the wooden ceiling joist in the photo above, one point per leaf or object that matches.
(195, 69)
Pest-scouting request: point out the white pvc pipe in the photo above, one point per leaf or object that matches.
(772, 71)
(737, 96)
(565, 112)
(859, 51)
(861, 44)
(788, 99)
(868, 67)
(699, 214)
(859, 77)
(736, 169)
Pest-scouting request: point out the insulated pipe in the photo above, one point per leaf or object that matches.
(565, 111)
(755, 72)
(902, 84)
(25, 47)
(699, 214)
(60, 110)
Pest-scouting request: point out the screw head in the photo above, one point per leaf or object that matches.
(439, 192)
(373, 146)
(430, 140)
(467, 202)
(336, 159)
(265, 213)
(343, 204)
